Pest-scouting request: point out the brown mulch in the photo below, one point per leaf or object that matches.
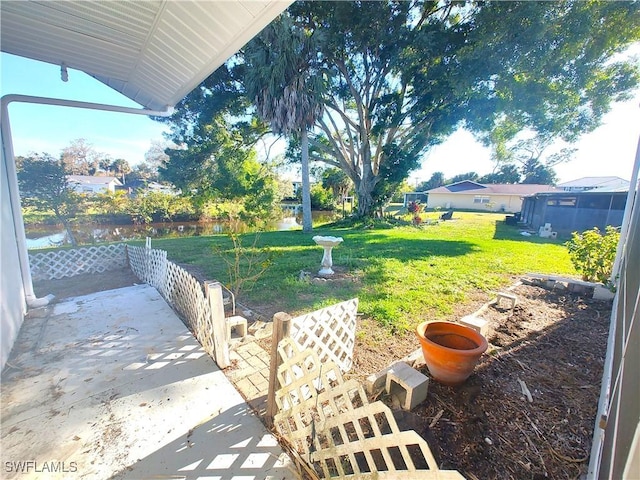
(555, 342)
(86, 283)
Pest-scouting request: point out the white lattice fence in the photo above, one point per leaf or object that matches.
(184, 293)
(59, 264)
(330, 331)
(148, 264)
(179, 288)
(332, 425)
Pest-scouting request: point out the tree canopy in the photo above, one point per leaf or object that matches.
(283, 80)
(402, 76)
(43, 184)
(222, 167)
(80, 158)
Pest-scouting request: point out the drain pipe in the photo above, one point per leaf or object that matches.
(14, 194)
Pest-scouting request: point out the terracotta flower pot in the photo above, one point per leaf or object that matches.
(451, 350)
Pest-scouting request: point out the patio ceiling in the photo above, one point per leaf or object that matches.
(154, 52)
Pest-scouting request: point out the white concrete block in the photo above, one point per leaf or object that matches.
(480, 325)
(601, 292)
(376, 381)
(509, 297)
(408, 384)
(237, 323)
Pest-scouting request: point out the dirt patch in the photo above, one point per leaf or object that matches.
(555, 343)
(86, 283)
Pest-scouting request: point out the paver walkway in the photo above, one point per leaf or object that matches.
(113, 385)
(250, 374)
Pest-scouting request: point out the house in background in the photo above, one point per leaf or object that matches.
(594, 183)
(138, 186)
(575, 211)
(293, 187)
(90, 184)
(420, 197)
(469, 195)
(296, 185)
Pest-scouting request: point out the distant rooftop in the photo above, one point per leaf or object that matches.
(91, 180)
(592, 183)
(469, 187)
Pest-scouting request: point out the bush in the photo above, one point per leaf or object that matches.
(414, 207)
(593, 253)
(321, 198)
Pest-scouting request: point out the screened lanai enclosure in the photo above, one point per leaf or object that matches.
(575, 211)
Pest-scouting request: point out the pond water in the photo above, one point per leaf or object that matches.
(45, 236)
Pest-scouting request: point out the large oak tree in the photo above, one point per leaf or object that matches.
(404, 75)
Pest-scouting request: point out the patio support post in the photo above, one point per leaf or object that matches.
(213, 292)
(16, 210)
(281, 329)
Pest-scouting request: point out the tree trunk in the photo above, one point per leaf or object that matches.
(307, 224)
(365, 202)
(364, 191)
(67, 227)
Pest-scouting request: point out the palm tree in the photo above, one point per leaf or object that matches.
(122, 167)
(286, 85)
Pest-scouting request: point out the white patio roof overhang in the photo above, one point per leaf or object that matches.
(153, 52)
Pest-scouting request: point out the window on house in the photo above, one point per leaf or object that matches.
(599, 202)
(481, 199)
(618, 202)
(562, 202)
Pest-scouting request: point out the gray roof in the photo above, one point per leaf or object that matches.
(469, 187)
(595, 191)
(595, 182)
(91, 180)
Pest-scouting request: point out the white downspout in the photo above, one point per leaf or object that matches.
(14, 194)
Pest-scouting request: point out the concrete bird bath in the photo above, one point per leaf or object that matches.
(327, 243)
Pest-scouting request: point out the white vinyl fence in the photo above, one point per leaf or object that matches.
(184, 293)
(58, 264)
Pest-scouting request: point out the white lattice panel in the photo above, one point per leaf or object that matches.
(179, 288)
(59, 264)
(302, 376)
(330, 331)
(184, 293)
(148, 264)
(331, 424)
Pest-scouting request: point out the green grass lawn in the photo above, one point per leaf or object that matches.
(401, 275)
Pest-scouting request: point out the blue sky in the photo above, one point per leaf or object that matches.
(610, 150)
(44, 128)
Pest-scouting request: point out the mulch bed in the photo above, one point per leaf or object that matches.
(554, 342)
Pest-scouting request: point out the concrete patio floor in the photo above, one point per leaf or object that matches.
(113, 385)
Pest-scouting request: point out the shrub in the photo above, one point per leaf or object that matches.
(414, 207)
(593, 253)
(321, 198)
(245, 264)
